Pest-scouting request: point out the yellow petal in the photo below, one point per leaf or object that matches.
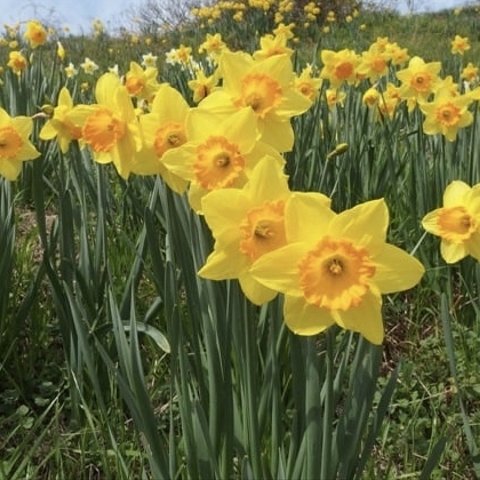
(169, 105)
(430, 221)
(365, 319)
(10, 169)
(106, 86)
(455, 193)
(255, 291)
(453, 252)
(307, 216)
(64, 98)
(278, 269)
(473, 245)
(395, 269)
(48, 131)
(223, 264)
(224, 210)
(278, 134)
(267, 181)
(305, 319)
(366, 223)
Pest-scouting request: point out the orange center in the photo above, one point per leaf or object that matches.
(344, 70)
(335, 274)
(260, 92)
(456, 224)
(448, 114)
(103, 130)
(134, 85)
(10, 142)
(263, 229)
(218, 163)
(421, 82)
(170, 135)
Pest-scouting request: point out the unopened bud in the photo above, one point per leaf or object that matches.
(339, 150)
(47, 109)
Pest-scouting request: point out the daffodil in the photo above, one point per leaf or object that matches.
(419, 80)
(266, 87)
(110, 127)
(15, 147)
(335, 267)
(89, 66)
(246, 224)
(373, 64)
(218, 154)
(460, 45)
(339, 67)
(149, 60)
(446, 114)
(271, 45)
(307, 84)
(213, 46)
(202, 85)
(163, 129)
(17, 62)
(36, 34)
(457, 223)
(141, 83)
(61, 125)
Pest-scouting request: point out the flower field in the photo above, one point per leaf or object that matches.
(245, 246)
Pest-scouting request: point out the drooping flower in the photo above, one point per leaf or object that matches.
(446, 114)
(266, 87)
(15, 147)
(246, 224)
(163, 129)
(62, 125)
(457, 223)
(36, 34)
(219, 154)
(335, 267)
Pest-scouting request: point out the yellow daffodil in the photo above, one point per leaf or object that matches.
(266, 87)
(17, 62)
(15, 146)
(61, 125)
(141, 83)
(307, 84)
(36, 34)
(271, 45)
(339, 67)
(460, 45)
(201, 85)
(397, 55)
(246, 224)
(373, 64)
(163, 130)
(219, 154)
(470, 73)
(335, 97)
(446, 114)
(335, 267)
(60, 51)
(457, 223)
(110, 127)
(419, 80)
(213, 46)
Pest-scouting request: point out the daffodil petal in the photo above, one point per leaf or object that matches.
(305, 319)
(255, 291)
(396, 270)
(365, 319)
